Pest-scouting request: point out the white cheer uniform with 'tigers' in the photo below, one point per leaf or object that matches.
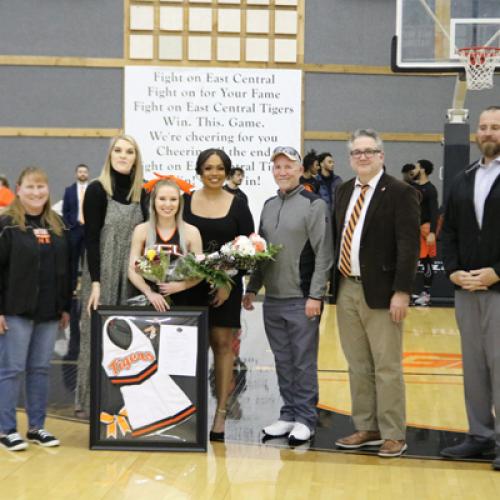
(152, 399)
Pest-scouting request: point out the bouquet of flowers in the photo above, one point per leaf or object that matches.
(245, 252)
(192, 266)
(241, 254)
(153, 265)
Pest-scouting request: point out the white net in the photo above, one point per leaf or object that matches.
(480, 63)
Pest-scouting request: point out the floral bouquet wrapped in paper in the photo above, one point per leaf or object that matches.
(244, 252)
(153, 265)
(192, 266)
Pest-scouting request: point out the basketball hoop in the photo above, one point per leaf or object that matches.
(480, 63)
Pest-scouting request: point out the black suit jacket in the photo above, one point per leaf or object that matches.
(390, 239)
(70, 206)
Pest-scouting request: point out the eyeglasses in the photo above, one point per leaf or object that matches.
(369, 153)
(288, 151)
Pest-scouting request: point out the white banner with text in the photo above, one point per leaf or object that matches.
(175, 113)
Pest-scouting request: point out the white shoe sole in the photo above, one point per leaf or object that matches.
(392, 455)
(276, 435)
(50, 444)
(375, 442)
(19, 447)
(283, 434)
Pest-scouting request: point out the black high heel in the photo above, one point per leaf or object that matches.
(218, 436)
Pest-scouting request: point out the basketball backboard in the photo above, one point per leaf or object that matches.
(430, 32)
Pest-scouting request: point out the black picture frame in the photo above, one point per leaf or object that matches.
(135, 403)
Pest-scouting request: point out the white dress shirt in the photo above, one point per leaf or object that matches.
(81, 187)
(356, 237)
(485, 177)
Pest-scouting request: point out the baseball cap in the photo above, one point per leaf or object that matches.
(288, 151)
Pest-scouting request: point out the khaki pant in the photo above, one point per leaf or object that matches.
(372, 344)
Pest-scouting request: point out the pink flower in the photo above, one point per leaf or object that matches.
(258, 242)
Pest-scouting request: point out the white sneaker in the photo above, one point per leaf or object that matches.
(424, 299)
(300, 433)
(279, 428)
(43, 438)
(13, 442)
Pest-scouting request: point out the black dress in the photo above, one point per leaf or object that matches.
(214, 233)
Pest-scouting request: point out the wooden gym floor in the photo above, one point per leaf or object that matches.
(246, 468)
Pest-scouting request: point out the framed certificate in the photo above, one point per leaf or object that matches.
(149, 379)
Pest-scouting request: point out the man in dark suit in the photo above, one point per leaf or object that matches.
(376, 228)
(471, 256)
(73, 218)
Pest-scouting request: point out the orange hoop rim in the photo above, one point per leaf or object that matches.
(480, 50)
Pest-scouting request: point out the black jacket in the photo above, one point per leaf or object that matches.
(71, 206)
(465, 246)
(19, 268)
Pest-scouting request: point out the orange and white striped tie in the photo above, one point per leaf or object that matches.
(345, 250)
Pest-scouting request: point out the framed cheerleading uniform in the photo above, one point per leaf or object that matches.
(153, 401)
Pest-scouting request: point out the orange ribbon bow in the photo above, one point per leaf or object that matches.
(184, 186)
(115, 422)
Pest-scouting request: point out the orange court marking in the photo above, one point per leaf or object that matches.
(431, 360)
(415, 382)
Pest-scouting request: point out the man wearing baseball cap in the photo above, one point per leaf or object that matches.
(295, 284)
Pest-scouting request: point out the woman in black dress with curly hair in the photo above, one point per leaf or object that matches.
(220, 217)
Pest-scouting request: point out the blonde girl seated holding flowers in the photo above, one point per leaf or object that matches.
(166, 230)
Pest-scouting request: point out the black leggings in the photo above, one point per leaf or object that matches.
(428, 271)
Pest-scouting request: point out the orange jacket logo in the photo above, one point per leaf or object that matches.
(42, 236)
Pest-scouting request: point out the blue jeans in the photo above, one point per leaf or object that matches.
(25, 347)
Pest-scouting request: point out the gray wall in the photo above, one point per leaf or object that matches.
(386, 103)
(33, 96)
(349, 31)
(79, 28)
(58, 156)
(61, 97)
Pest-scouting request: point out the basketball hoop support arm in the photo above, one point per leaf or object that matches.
(457, 113)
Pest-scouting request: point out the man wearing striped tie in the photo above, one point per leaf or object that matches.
(376, 231)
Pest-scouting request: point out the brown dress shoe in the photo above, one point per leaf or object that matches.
(392, 448)
(360, 439)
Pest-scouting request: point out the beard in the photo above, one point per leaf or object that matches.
(490, 149)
